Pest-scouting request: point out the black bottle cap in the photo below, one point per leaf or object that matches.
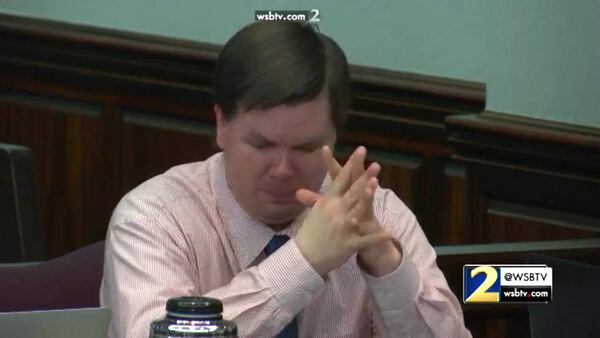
(194, 305)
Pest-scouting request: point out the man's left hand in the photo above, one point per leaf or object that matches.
(377, 260)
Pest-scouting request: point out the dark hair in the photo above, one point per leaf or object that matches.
(267, 64)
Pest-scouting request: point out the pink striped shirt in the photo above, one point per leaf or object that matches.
(183, 233)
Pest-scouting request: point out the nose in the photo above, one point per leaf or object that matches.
(281, 167)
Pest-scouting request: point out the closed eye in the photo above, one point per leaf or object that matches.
(260, 145)
(307, 148)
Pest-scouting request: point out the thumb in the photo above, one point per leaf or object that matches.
(307, 197)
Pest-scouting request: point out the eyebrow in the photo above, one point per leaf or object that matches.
(261, 138)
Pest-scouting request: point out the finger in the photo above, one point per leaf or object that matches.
(354, 195)
(358, 162)
(357, 190)
(374, 169)
(332, 165)
(364, 205)
(307, 197)
(371, 239)
(363, 211)
(370, 196)
(341, 184)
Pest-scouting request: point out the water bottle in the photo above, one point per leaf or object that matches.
(193, 317)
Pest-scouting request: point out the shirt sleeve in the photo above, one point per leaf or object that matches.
(145, 265)
(143, 268)
(262, 300)
(414, 300)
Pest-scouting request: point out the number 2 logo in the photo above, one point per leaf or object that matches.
(481, 294)
(315, 18)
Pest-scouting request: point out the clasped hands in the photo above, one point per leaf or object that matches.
(342, 222)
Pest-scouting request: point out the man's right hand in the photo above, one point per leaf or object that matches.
(330, 234)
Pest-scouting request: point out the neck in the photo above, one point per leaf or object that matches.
(279, 227)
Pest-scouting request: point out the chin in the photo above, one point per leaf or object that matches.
(282, 216)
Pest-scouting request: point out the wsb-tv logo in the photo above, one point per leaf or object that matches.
(507, 283)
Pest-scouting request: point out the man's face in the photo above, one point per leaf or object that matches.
(269, 154)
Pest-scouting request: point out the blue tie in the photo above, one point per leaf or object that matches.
(291, 330)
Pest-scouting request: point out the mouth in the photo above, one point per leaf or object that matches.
(280, 197)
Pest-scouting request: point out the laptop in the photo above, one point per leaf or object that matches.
(72, 323)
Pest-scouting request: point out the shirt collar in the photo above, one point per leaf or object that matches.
(247, 235)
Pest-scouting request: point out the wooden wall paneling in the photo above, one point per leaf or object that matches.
(154, 142)
(119, 107)
(396, 102)
(528, 144)
(110, 66)
(402, 115)
(398, 171)
(432, 188)
(507, 222)
(506, 322)
(112, 69)
(66, 138)
(438, 199)
(453, 229)
(543, 190)
(430, 204)
(112, 120)
(528, 179)
(539, 207)
(138, 78)
(476, 207)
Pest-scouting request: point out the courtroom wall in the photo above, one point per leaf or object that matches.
(539, 59)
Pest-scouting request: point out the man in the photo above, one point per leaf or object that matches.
(356, 264)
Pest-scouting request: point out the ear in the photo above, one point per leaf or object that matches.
(221, 126)
(332, 139)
